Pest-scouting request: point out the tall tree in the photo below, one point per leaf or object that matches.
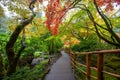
(55, 13)
(25, 16)
(109, 34)
(12, 57)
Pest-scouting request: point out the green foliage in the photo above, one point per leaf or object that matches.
(82, 76)
(33, 44)
(54, 44)
(37, 54)
(19, 7)
(1, 12)
(28, 74)
(3, 40)
(88, 44)
(45, 56)
(79, 23)
(92, 43)
(112, 63)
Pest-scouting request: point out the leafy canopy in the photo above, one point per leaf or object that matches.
(54, 13)
(107, 3)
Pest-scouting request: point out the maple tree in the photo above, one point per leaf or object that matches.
(115, 40)
(54, 13)
(104, 30)
(25, 14)
(107, 3)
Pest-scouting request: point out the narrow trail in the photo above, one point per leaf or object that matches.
(61, 70)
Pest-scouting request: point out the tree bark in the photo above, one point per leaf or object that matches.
(12, 57)
(108, 24)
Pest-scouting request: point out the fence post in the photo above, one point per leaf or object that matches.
(100, 66)
(70, 56)
(88, 61)
(75, 64)
(74, 58)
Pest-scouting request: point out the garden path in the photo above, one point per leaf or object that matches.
(61, 70)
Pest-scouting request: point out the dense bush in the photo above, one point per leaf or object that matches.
(29, 74)
(85, 45)
(54, 44)
(92, 43)
(37, 54)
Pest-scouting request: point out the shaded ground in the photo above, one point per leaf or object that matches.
(61, 70)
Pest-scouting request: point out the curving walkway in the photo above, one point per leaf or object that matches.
(61, 70)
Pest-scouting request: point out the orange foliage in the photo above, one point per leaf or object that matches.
(54, 13)
(107, 3)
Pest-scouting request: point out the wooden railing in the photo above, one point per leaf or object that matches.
(99, 69)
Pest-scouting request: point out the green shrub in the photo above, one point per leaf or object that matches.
(37, 54)
(45, 56)
(54, 44)
(92, 43)
(28, 74)
(86, 45)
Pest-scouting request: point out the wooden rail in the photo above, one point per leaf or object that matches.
(99, 69)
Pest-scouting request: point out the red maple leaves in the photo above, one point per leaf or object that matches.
(55, 13)
(107, 3)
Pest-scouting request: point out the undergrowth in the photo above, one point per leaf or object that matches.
(29, 74)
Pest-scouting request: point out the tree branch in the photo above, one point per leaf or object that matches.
(12, 59)
(76, 35)
(98, 25)
(22, 46)
(106, 40)
(107, 22)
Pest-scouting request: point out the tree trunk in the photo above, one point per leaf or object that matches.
(12, 57)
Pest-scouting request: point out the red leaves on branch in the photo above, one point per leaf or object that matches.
(107, 3)
(54, 13)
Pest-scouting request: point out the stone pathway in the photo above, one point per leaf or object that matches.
(61, 70)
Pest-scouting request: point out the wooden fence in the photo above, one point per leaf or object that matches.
(99, 68)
